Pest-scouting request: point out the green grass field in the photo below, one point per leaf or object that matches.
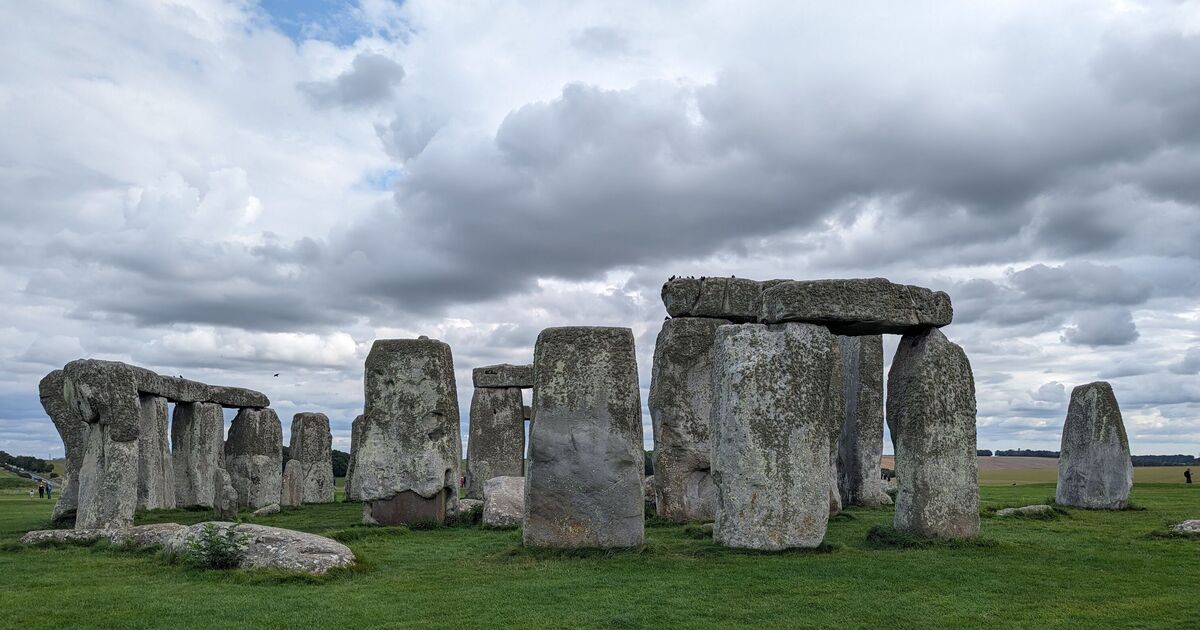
(1087, 569)
(1141, 474)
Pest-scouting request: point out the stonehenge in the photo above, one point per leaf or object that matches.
(503, 502)
(312, 446)
(352, 493)
(198, 449)
(496, 439)
(860, 441)
(156, 473)
(73, 432)
(586, 464)
(1094, 467)
(254, 457)
(408, 460)
(866, 306)
(291, 487)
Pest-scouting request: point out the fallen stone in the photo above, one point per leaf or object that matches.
(352, 492)
(584, 487)
(860, 442)
(225, 498)
(275, 548)
(503, 375)
(156, 473)
(770, 435)
(1094, 467)
(267, 510)
(865, 306)
(154, 535)
(312, 446)
(254, 457)
(291, 489)
(1187, 527)
(467, 506)
(64, 536)
(734, 299)
(1028, 510)
(503, 502)
(681, 405)
(931, 414)
(496, 441)
(73, 432)
(407, 465)
(198, 441)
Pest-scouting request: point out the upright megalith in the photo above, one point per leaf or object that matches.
(860, 444)
(73, 432)
(408, 461)
(254, 457)
(585, 479)
(1094, 467)
(312, 446)
(291, 488)
(352, 491)
(496, 442)
(771, 434)
(835, 410)
(198, 449)
(931, 414)
(156, 473)
(225, 497)
(681, 405)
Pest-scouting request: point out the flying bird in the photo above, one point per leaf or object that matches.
(277, 374)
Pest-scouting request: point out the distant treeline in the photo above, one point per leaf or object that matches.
(27, 462)
(1021, 452)
(1165, 460)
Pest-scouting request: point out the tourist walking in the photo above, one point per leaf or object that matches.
(1187, 475)
(41, 490)
(49, 490)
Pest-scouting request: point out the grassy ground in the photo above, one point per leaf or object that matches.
(1141, 474)
(1086, 569)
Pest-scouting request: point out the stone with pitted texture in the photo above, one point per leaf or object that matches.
(1094, 467)
(198, 442)
(156, 473)
(860, 443)
(503, 375)
(931, 414)
(153, 535)
(73, 432)
(735, 299)
(291, 489)
(1028, 510)
(225, 498)
(274, 548)
(503, 502)
(254, 457)
(770, 435)
(352, 491)
(496, 442)
(584, 487)
(312, 446)
(862, 306)
(1187, 527)
(267, 510)
(835, 402)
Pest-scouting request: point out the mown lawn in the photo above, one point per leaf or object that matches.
(1141, 474)
(1087, 569)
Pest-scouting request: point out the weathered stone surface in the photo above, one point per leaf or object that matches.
(237, 397)
(410, 435)
(107, 481)
(735, 299)
(183, 390)
(352, 489)
(863, 306)
(771, 434)
(276, 548)
(496, 442)
(584, 487)
(503, 375)
(1094, 467)
(835, 411)
(156, 473)
(1028, 510)
(154, 535)
(104, 392)
(312, 446)
(860, 443)
(254, 457)
(467, 506)
(503, 502)
(291, 489)
(198, 442)
(681, 405)
(1187, 527)
(73, 432)
(267, 510)
(649, 495)
(931, 415)
(63, 536)
(225, 498)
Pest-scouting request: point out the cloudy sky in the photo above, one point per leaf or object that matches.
(230, 189)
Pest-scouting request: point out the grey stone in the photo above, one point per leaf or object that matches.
(267, 510)
(681, 405)
(496, 442)
(503, 375)
(1094, 467)
(198, 442)
(649, 496)
(1028, 510)
(771, 434)
(584, 487)
(1187, 527)
(254, 457)
(864, 306)
(73, 432)
(64, 536)
(154, 535)
(104, 392)
(182, 390)
(353, 493)
(237, 397)
(860, 443)
(312, 446)
(225, 498)
(156, 473)
(291, 489)
(410, 435)
(275, 548)
(503, 502)
(735, 299)
(835, 410)
(931, 414)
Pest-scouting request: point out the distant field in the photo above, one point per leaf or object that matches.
(1002, 471)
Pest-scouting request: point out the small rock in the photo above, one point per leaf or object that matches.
(267, 510)
(1026, 511)
(1187, 527)
(503, 501)
(276, 548)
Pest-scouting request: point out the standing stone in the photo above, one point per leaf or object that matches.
(156, 474)
(586, 463)
(503, 501)
(1094, 467)
(291, 489)
(770, 432)
(496, 442)
(835, 409)
(352, 490)
(198, 440)
(73, 432)
(860, 444)
(254, 457)
(105, 395)
(681, 404)
(312, 446)
(225, 498)
(931, 414)
(408, 462)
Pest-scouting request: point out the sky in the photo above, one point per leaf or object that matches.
(229, 189)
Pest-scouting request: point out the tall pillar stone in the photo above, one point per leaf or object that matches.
(156, 473)
(312, 446)
(496, 442)
(408, 461)
(584, 487)
(681, 405)
(352, 490)
(73, 432)
(860, 445)
(1094, 467)
(931, 414)
(291, 490)
(254, 457)
(198, 449)
(771, 434)
(835, 405)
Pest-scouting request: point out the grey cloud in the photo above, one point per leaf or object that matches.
(1102, 327)
(1190, 363)
(372, 79)
(602, 40)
